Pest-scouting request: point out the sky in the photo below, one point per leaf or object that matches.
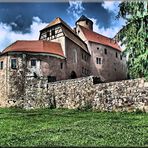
(23, 21)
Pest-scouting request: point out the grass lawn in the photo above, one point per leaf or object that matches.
(63, 127)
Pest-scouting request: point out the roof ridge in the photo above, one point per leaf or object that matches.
(96, 32)
(59, 20)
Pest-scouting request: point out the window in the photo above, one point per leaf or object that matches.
(74, 56)
(116, 55)
(1, 65)
(78, 31)
(120, 57)
(86, 22)
(83, 70)
(52, 32)
(13, 63)
(98, 60)
(97, 48)
(61, 65)
(105, 51)
(85, 58)
(82, 56)
(33, 62)
(51, 79)
(47, 34)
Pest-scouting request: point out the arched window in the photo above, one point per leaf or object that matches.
(74, 56)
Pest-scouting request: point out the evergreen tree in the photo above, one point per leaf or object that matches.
(134, 35)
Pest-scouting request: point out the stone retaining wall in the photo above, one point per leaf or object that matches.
(127, 95)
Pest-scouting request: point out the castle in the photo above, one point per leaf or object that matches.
(61, 53)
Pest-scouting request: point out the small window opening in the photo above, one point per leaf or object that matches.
(52, 32)
(51, 78)
(48, 34)
(83, 70)
(82, 56)
(116, 55)
(1, 65)
(74, 56)
(120, 57)
(13, 63)
(105, 51)
(61, 65)
(98, 60)
(85, 57)
(33, 62)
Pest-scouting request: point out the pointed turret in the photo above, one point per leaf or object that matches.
(85, 22)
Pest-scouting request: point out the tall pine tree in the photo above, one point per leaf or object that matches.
(135, 36)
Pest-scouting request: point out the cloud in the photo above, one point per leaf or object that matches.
(116, 24)
(9, 36)
(109, 32)
(75, 9)
(14, 24)
(111, 6)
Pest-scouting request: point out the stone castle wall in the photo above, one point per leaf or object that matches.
(127, 95)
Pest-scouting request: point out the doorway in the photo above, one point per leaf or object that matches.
(73, 75)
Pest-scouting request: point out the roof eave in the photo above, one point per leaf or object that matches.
(105, 45)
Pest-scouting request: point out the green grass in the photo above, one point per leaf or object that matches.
(63, 127)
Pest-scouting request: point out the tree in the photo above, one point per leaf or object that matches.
(134, 35)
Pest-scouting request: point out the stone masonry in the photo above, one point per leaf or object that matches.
(126, 95)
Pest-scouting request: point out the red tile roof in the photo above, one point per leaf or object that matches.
(36, 46)
(98, 38)
(57, 21)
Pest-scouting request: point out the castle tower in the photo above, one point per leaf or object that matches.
(85, 22)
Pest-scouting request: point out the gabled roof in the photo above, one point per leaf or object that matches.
(98, 38)
(67, 32)
(35, 46)
(56, 22)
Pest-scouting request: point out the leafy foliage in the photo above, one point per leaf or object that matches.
(135, 36)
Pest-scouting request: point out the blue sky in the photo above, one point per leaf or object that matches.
(22, 21)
